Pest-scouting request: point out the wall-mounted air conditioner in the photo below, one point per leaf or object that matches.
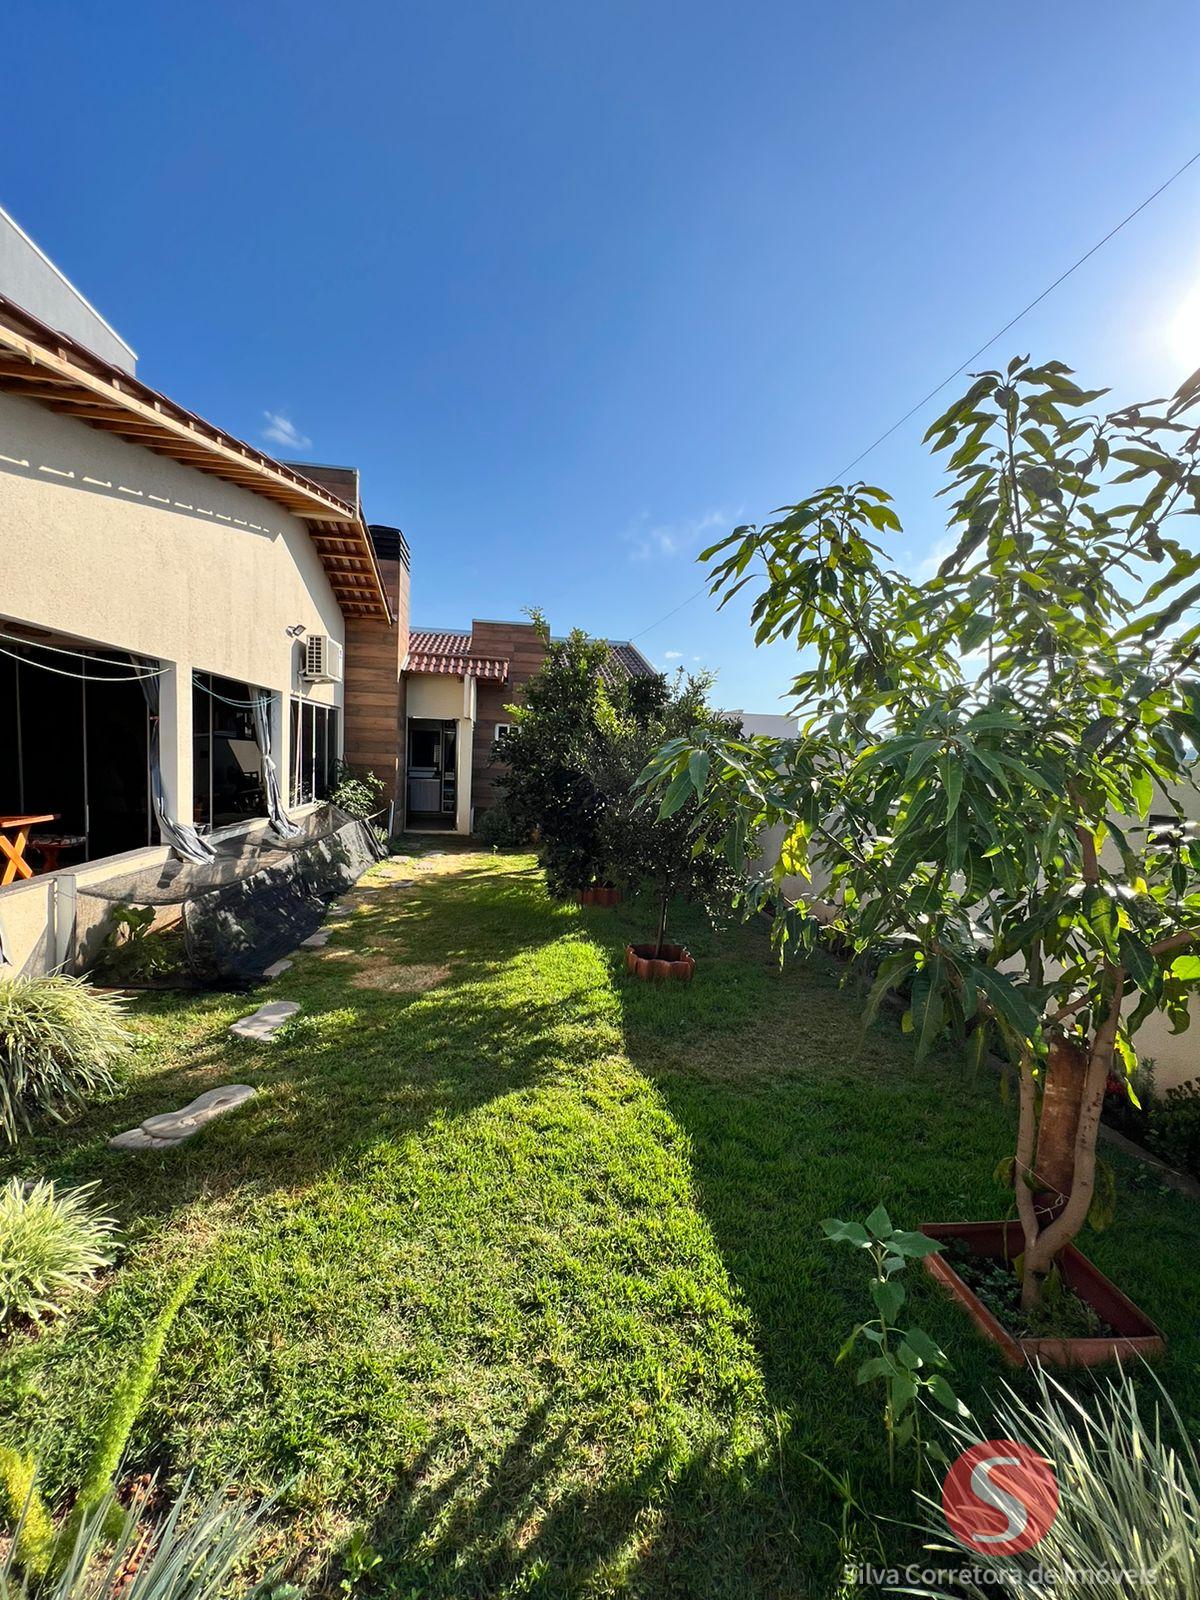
(322, 659)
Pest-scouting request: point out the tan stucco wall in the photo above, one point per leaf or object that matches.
(110, 543)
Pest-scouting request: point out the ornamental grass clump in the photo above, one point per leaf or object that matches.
(1128, 1516)
(51, 1243)
(197, 1551)
(60, 1043)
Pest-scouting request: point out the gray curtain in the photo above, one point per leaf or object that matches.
(281, 823)
(181, 836)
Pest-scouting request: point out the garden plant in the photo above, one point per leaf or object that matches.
(60, 1043)
(986, 790)
(52, 1242)
(573, 757)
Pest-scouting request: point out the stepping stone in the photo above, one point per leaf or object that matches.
(316, 941)
(139, 1139)
(276, 969)
(173, 1127)
(261, 1024)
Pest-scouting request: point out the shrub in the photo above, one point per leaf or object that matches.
(1129, 1497)
(134, 951)
(50, 1244)
(1175, 1126)
(500, 826)
(60, 1041)
(358, 794)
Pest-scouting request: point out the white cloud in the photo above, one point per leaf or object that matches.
(664, 540)
(283, 431)
(673, 655)
(927, 567)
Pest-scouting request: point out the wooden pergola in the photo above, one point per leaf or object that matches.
(39, 363)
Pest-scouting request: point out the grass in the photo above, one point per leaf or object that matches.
(513, 1266)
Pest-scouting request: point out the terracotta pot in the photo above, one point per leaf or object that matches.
(643, 961)
(598, 894)
(1134, 1334)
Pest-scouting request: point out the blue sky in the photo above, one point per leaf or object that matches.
(578, 287)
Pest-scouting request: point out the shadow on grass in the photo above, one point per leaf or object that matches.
(545, 1518)
(357, 1066)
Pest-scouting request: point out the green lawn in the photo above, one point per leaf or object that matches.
(514, 1263)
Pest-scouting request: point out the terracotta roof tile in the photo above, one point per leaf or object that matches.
(450, 653)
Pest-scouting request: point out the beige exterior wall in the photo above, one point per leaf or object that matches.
(118, 546)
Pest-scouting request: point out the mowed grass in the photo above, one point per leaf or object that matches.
(514, 1264)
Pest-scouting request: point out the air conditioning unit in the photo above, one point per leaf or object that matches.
(322, 659)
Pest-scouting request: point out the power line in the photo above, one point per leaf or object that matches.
(999, 334)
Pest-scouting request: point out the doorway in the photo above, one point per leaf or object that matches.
(432, 773)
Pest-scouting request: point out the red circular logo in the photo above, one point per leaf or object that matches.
(1000, 1497)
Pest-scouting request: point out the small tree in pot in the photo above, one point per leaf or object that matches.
(987, 782)
(656, 849)
(548, 752)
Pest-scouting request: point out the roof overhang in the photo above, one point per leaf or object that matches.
(40, 364)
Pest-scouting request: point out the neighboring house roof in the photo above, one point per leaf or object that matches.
(451, 653)
(38, 363)
(625, 660)
(438, 650)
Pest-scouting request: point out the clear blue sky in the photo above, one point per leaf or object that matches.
(579, 286)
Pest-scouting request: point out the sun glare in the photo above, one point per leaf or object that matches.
(1184, 332)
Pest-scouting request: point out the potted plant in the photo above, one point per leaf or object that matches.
(573, 754)
(986, 791)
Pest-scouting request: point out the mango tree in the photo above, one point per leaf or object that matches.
(990, 776)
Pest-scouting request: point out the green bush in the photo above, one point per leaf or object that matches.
(500, 827)
(51, 1242)
(60, 1041)
(134, 951)
(358, 794)
(1175, 1126)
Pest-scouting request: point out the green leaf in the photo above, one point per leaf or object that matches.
(888, 1295)
(929, 1352)
(1007, 1001)
(945, 1395)
(698, 763)
(846, 1232)
(874, 1367)
(903, 1391)
(879, 1224)
(914, 1244)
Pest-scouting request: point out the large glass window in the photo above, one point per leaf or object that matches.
(314, 749)
(227, 765)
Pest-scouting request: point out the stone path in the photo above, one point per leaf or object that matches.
(262, 1024)
(170, 1128)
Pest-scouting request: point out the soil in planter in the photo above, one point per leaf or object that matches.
(1061, 1314)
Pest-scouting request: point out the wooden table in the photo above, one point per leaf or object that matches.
(12, 851)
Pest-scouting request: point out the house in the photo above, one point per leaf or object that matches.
(174, 612)
(424, 705)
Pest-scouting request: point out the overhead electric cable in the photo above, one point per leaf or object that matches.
(999, 334)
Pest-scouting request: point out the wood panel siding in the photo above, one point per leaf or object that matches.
(520, 644)
(374, 690)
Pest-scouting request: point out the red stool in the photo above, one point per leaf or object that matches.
(50, 847)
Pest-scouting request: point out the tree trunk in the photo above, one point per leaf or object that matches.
(662, 923)
(1054, 1235)
(1062, 1102)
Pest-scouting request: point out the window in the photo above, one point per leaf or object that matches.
(227, 765)
(498, 733)
(315, 751)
